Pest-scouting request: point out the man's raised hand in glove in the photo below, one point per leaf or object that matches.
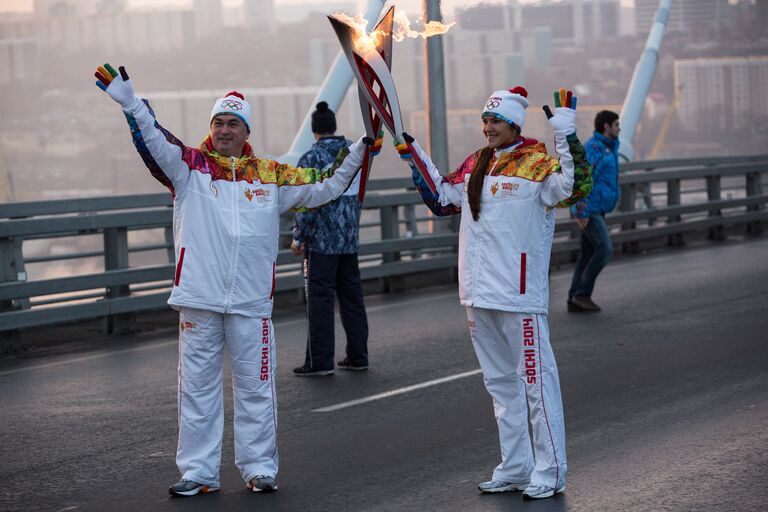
(563, 121)
(118, 86)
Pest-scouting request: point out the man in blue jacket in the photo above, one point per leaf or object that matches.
(328, 237)
(603, 153)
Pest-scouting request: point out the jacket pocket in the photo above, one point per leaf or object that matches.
(179, 264)
(523, 261)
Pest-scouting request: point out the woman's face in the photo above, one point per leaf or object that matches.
(498, 133)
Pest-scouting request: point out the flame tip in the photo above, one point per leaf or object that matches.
(365, 41)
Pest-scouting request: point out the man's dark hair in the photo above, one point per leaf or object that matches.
(602, 117)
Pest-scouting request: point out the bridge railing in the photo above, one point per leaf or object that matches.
(661, 200)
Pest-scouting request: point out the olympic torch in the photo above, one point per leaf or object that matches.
(371, 120)
(370, 57)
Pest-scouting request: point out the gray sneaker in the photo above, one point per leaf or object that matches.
(262, 483)
(189, 488)
(492, 486)
(541, 491)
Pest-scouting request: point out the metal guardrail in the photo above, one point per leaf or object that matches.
(403, 238)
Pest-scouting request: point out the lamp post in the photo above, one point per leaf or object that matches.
(437, 125)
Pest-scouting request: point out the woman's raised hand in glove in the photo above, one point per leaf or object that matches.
(563, 121)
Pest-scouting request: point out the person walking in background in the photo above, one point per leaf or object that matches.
(226, 208)
(603, 154)
(506, 194)
(328, 237)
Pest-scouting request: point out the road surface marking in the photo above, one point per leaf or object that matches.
(395, 392)
(174, 342)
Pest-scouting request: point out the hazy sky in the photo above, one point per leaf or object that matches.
(448, 5)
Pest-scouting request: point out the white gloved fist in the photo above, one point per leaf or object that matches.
(118, 86)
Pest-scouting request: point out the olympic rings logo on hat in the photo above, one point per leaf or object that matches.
(493, 102)
(232, 104)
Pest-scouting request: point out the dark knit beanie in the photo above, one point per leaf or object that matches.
(323, 119)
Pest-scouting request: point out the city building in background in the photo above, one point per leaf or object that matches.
(296, 13)
(19, 59)
(570, 22)
(208, 15)
(728, 93)
(182, 60)
(684, 16)
(259, 13)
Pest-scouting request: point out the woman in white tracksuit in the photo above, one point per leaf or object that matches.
(226, 209)
(505, 194)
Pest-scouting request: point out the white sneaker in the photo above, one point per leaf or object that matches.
(492, 486)
(541, 491)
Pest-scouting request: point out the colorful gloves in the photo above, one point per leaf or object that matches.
(563, 121)
(402, 147)
(376, 149)
(119, 87)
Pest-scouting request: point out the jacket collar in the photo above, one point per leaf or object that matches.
(612, 144)
(520, 143)
(208, 145)
(330, 138)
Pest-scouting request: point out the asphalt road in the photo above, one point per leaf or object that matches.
(665, 392)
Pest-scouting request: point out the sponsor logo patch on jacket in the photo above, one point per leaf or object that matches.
(508, 189)
(260, 194)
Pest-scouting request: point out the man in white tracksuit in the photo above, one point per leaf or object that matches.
(226, 205)
(505, 194)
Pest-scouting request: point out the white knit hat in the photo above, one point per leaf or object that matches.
(233, 103)
(508, 106)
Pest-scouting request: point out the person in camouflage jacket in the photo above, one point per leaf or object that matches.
(328, 238)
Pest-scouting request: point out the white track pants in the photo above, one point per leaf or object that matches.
(520, 374)
(251, 346)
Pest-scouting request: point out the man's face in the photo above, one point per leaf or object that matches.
(498, 133)
(228, 135)
(612, 130)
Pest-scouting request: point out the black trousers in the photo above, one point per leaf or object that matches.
(331, 276)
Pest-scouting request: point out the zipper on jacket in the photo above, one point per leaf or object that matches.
(228, 302)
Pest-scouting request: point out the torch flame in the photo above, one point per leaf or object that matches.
(403, 28)
(366, 42)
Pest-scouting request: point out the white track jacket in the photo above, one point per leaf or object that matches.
(504, 256)
(226, 214)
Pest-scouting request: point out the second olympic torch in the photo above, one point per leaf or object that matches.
(370, 57)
